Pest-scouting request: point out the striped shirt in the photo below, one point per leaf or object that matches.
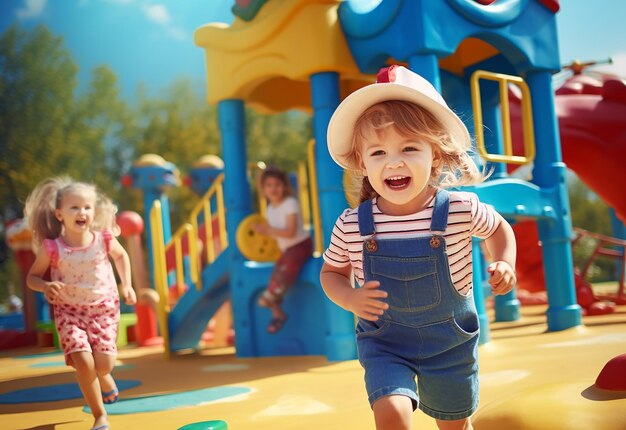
(467, 217)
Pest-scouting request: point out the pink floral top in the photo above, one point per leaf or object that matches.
(86, 271)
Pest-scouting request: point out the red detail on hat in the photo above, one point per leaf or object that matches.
(386, 75)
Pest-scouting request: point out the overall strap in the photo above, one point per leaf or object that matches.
(366, 219)
(439, 220)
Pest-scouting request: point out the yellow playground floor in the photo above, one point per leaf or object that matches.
(530, 379)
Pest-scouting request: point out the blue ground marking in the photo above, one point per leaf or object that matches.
(62, 364)
(48, 364)
(39, 355)
(171, 401)
(53, 393)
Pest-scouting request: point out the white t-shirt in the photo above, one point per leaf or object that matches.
(277, 218)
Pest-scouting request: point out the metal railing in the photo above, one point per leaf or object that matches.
(188, 233)
(527, 118)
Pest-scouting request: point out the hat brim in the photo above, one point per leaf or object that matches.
(341, 126)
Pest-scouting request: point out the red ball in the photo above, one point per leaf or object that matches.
(130, 223)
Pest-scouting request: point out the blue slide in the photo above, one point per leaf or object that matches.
(190, 316)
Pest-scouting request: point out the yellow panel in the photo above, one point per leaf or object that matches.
(469, 52)
(268, 61)
(255, 246)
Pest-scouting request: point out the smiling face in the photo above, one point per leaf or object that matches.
(399, 169)
(76, 210)
(273, 189)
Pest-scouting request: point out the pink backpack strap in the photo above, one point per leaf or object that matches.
(53, 251)
(108, 237)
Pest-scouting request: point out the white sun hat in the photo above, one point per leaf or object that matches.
(392, 83)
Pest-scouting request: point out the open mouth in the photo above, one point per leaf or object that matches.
(398, 182)
(81, 222)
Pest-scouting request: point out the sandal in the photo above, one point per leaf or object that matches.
(264, 302)
(102, 427)
(276, 324)
(109, 397)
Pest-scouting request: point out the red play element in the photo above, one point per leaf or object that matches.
(593, 142)
(553, 5)
(130, 223)
(607, 247)
(127, 181)
(593, 133)
(613, 374)
(131, 226)
(10, 339)
(18, 238)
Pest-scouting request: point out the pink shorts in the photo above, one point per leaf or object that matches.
(91, 328)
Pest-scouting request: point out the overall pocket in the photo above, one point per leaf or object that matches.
(412, 283)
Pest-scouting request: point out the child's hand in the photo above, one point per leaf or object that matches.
(262, 229)
(502, 279)
(366, 302)
(128, 295)
(52, 290)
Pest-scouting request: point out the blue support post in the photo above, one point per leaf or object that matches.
(506, 306)
(479, 294)
(152, 179)
(325, 97)
(555, 234)
(493, 138)
(237, 196)
(236, 188)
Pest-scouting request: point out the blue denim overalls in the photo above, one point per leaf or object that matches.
(429, 330)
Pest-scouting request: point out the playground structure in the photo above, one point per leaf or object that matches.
(473, 58)
(472, 51)
(590, 111)
(474, 66)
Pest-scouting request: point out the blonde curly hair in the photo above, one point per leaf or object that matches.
(47, 196)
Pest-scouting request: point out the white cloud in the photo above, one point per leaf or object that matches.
(31, 9)
(618, 67)
(157, 13)
(177, 33)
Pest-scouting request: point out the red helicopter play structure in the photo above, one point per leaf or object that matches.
(591, 114)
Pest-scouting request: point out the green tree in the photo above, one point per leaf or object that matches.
(37, 82)
(46, 129)
(279, 139)
(591, 213)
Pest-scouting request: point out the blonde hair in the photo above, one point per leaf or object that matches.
(47, 196)
(408, 119)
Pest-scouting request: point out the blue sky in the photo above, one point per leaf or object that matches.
(151, 41)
